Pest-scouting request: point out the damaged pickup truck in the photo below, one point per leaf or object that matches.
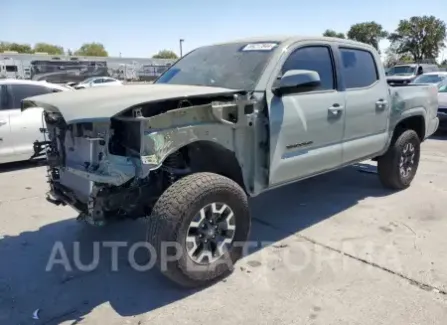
(224, 123)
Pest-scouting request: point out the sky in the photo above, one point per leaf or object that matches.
(140, 28)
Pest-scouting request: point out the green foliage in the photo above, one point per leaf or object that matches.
(423, 37)
(368, 32)
(165, 54)
(333, 33)
(20, 48)
(92, 49)
(48, 48)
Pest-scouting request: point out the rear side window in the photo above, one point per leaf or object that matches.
(20, 92)
(359, 68)
(316, 58)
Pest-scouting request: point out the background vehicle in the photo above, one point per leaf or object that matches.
(98, 82)
(8, 69)
(64, 71)
(430, 78)
(403, 74)
(442, 110)
(189, 150)
(18, 130)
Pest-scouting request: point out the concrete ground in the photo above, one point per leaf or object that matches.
(335, 249)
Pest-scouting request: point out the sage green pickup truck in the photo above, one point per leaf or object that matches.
(227, 122)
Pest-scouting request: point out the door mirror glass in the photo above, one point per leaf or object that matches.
(297, 81)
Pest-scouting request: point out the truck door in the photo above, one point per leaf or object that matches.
(306, 128)
(6, 142)
(25, 125)
(367, 107)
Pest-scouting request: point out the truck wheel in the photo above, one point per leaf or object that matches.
(198, 227)
(398, 166)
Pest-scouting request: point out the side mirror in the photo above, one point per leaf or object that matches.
(297, 81)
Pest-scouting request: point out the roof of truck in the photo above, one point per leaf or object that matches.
(292, 39)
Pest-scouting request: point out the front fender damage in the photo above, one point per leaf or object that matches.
(127, 159)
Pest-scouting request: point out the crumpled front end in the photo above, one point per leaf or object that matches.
(118, 168)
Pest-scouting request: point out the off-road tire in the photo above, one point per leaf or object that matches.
(172, 215)
(388, 165)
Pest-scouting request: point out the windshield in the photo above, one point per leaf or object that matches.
(234, 66)
(402, 70)
(429, 79)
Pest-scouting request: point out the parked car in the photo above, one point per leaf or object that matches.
(224, 123)
(431, 78)
(19, 130)
(442, 110)
(403, 74)
(98, 82)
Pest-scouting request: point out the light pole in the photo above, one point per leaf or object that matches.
(181, 46)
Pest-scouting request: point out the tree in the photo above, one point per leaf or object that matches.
(423, 37)
(368, 32)
(92, 49)
(48, 48)
(165, 54)
(333, 33)
(69, 52)
(20, 48)
(444, 63)
(392, 57)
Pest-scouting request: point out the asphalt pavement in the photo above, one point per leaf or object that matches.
(334, 249)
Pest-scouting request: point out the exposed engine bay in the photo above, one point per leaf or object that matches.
(119, 168)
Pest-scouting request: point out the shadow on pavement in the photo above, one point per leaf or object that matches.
(21, 165)
(69, 295)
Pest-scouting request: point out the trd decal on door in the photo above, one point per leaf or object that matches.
(299, 145)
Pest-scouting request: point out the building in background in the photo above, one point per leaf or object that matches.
(63, 68)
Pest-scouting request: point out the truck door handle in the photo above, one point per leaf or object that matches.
(381, 104)
(2, 122)
(335, 109)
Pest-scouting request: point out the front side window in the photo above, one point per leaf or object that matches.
(316, 58)
(359, 68)
(20, 92)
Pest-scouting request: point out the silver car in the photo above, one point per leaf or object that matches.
(442, 110)
(431, 78)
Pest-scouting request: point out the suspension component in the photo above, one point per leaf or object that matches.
(175, 166)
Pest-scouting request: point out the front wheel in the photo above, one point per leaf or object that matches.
(198, 227)
(398, 166)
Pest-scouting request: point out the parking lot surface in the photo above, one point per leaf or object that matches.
(334, 249)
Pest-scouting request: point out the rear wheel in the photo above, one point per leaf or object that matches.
(198, 227)
(398, 166)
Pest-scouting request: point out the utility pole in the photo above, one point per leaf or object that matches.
(181, 46)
